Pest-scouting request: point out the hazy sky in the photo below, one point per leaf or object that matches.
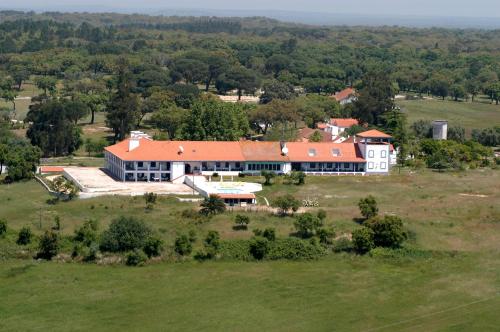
(470, 8)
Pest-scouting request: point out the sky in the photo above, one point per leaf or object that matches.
(445, 8)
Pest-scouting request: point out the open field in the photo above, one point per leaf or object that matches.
(466, 114)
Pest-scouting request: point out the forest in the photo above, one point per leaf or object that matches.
(164, 74)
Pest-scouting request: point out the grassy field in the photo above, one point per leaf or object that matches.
(466, 114)
(455, 218)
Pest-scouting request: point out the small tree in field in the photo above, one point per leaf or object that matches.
(48, 246)
(268, 176)
(368, 207)
(362, 240)
(24, 236)
(212, 205)
(286, 203)
(241, 221)
(307, 224)
(183, 246)
(259, 246)
(3, 227)
(387, 232)
(212, 244)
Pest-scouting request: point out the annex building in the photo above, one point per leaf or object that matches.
(139, 158)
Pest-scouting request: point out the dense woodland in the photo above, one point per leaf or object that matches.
(164, 72)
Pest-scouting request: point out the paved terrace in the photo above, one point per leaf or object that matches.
(94, 182)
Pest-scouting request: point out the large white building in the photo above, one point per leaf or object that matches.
(140, 158)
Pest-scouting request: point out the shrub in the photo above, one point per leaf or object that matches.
(212, 244)
(362, 240)
(24, 236)
(87, 233)
(153, 247)
(268, 176)
(307, 224)
(48, 246)
(342, 244)
(241, 221)
(57, 223)
(183, 246)
(125, 234)
(150, 198)
(387, 231)
(298, 177)
(212, 205)
(236, 249)
(294, 249)
(258, 247)
(190, 214)
(269, 233)
(368, 207)
(286, 203)
(321, 214)
(136, 258)
(325, 235)
(91, 253)
(3, 227)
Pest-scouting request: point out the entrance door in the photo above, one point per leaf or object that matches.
(187, 169)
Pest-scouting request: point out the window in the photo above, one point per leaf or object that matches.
(329, 165)
(383, 154)
(383, 165)
(335, 152)
(312, 152)
(217, 164)
(370, 165)
(312, 165)
(140, 164)
(237, 165)
(371, 153)
(204, 164)
(153, 164)
(347, 165)
(227, 165)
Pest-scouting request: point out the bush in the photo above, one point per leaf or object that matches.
(362, 240)
(286, 203)
(294, 249)
(325, 235)
(212, 205)
(3, 227)
(307, 224)
(321, 214)
(387, 231)
(125, 234)
(269, 233)
(24, 236)
(183, 246)
(48, 246)
(150, 198)
(368, 207)
(212, 244)
(241, 221)
(258, 247)
(87, 233)
(268, 176)
(343, 244)
(153, 247)
(136, 258)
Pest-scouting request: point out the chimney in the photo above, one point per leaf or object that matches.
(133, 143)
(284, 148)
(181, 149)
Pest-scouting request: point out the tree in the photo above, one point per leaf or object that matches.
(440, 88)
(3, 227)
(276, 63)
(48, 246)
(124, 234)
(316, 137)
(422, 128)
(286, 203)
(268, 176)
(189, 70)
(362, 240)
(375, 98)
(241, 221)
(169, 119)
(24, 236)
(457, 91)
(123, 108)
(212, 205)
(307, 224)
(456, 133)
(54, 130)
(183, 246)
(87, 233)
(487, 137)
(368, 207)
(217, 65)
(277, 90)
(212, 244)
(47, 84)
(239, 78)
(184, 95)
(387, 231)
(298, 177)
(21, 159)
(153, 247)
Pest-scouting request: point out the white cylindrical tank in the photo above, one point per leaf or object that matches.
(440, 129)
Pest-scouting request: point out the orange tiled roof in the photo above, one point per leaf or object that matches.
(322, 125)
(51, 169)
(345, 123)
(374, 133)
(235, 151)
(306, 133)
(236, 196)
(323, 152)
(344, 94)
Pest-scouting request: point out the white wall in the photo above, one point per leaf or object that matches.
(287, 168)
(177, 172)
(377, 158)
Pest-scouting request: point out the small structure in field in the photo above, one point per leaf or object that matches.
(440, 129)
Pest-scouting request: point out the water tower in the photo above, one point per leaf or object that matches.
(440, 129)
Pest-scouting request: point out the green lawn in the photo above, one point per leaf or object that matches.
(466, 114)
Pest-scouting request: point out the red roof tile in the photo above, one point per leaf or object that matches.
(306, 133)
(345, 123)
(373, 134)
(51, 169)
(323, 152)
(344, 94)
(236, 196)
